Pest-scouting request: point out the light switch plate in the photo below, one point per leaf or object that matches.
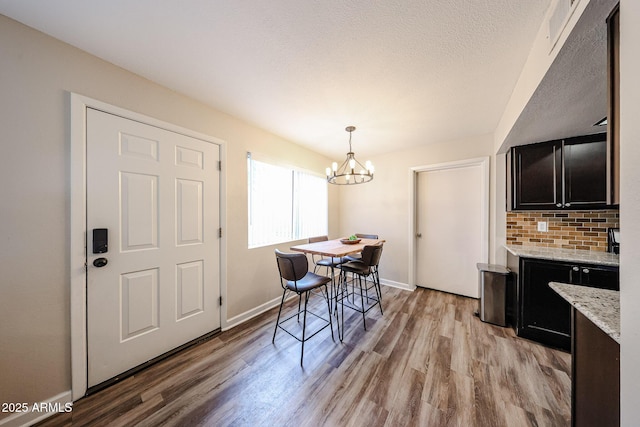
(542, 226)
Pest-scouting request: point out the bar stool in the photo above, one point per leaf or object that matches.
(357, 257)
(366, 268)
(329, 263)
(296, 277)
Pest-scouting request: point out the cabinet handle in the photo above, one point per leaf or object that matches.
(566, 205)
(576, 269)
(558, 205)
(585, 270)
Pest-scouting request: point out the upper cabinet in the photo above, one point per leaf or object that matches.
(613, 127)
(569, 173)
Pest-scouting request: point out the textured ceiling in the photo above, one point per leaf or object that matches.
(405, 73)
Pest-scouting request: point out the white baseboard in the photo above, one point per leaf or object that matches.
(39, 411)
(398, 285)
(250, 314)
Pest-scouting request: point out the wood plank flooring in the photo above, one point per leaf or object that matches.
(428, 361)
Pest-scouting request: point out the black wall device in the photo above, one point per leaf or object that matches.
(100, 240)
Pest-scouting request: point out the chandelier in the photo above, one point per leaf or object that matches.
(350, 171)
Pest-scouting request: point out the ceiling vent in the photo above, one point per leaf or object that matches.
(561, 11)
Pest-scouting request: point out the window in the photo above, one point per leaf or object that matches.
(285, 204)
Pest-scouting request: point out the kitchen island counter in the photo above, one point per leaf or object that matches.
(601, 306)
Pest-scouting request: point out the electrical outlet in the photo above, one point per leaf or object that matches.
(542, 226)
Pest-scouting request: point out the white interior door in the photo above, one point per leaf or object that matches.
(157, 194)
(452, 225)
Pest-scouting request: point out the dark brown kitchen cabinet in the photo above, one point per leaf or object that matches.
(613, 114)
(542, 314)
(569, 173)
(595, 375)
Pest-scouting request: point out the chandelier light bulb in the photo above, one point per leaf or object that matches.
(328, 172)
(334, 166)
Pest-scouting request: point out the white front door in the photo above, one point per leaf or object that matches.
(157, 194)
(451, 221)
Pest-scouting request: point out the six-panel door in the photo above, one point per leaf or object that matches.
(157, 194)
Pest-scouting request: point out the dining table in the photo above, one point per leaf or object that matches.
(336, 248)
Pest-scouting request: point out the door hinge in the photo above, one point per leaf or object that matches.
(220, 300)
(220, 232)
(219, 165)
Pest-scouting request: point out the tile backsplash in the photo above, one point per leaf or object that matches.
(566, 229)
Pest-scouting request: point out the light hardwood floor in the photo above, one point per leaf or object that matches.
(428, 361)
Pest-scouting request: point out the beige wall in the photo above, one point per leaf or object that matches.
(36, 72)
(383, 205)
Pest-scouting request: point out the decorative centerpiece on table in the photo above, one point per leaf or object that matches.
(351, 240)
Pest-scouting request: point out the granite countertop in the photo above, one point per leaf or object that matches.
(571, 255)
(601, 306)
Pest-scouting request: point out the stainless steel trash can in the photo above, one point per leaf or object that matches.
(493, 282)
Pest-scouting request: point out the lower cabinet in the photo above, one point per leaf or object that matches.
(544, 315)
(541, 314)
(595, 375)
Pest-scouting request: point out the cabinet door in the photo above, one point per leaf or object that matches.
(595, 379)
(585, 172)
(544, 315)
(537, 175)
(600, 277)
(613, 127)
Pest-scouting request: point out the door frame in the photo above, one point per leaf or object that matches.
(483, 162)
(78, 105)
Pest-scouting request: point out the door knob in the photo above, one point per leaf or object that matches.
(419, 235)
(100, 262)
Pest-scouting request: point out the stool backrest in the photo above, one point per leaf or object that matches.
(367, 236)
(318, 239)
(292, 267)
(371, 254)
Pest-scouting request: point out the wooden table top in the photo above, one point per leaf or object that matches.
(334, 248)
